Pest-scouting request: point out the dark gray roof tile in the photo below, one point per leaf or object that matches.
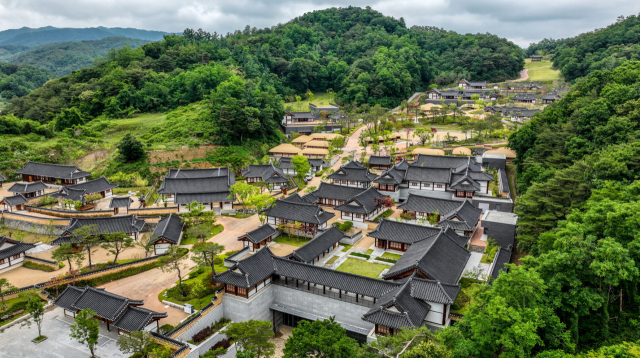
(316, 246)
(14, 200)
(168, 228)
(258, 235)
(26, 188)
(305, 213)
(57, 171)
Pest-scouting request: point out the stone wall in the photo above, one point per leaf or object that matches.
(203, 347)
(206, 320)
(37, 225)
(240, 309)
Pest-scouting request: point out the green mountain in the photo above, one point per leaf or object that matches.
(62, 58)
(33, 37)
(601, 49)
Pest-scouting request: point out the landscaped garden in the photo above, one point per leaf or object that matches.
(464, 297)
(362, 268)
(193, 239)
(292, 240)
(15, 307)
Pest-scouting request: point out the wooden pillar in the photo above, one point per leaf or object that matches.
(324, 289)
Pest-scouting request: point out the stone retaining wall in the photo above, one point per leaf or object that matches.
(37, 225)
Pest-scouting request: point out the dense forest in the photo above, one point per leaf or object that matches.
(20, 80)
(363, 56)
(602, 49)
(31, 37)
(62, 58)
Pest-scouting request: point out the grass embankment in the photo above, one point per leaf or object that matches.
(541, 71)
(303, 105)
(362, 268)
(28, 237)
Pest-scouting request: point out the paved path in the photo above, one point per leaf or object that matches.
(524, 75)
(232, 229)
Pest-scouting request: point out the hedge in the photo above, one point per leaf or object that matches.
(360, 255)
(35, 266)
(386, 260)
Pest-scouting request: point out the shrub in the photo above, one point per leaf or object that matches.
(166, 328)
(203, 334)
(36, 266)
(386, 260)
(385, 215)
(46, 200)
(225, 343)
(360, 255)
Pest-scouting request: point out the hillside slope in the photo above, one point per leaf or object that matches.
(62, 58)
(33, 37)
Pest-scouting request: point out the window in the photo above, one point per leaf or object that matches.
(242, 291)
(358, 216)
(352, 182)
(15, 257)
(395, 245)
(2, 262)
(230, 288)
(438, 186)
(497, 206)
(460, 194)
(414, 183)
(344, 182)
(383, 330)
(427, 185)
(469, 194)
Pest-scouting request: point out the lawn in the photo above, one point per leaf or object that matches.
(303, 105)
(189, 240)
(28, 236)
(362, 268)
(291, 240)
(543, 73)
(544, 63)
(346, 247)
(388, 255)
(332, 260)
(15, 305)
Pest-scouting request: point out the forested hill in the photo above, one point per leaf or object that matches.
(62, 58)
(601, 49)
(363, 56)
(33, 37)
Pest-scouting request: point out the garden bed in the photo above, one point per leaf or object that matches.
(289, 240)
(362, 268)
(215, 230)
(385, 215)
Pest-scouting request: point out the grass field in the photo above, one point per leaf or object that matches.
(303, 105)
(362, 268)
(291, 240)
(28, 236)
(388, 255)
(540, 71)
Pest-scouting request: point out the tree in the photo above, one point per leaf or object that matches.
(68, 118)
(116, 243)
(424, 134)
(86, 329)
(144, 243)
(252, 336)
(5, 286)
(162, 351)
(261, 202)
(89, 236)
(140, 342)
(200, 231)
(242, 191)
(35, 307)
(67, 253)
(130, 148)
(204, 254)
(300, 165)
(324, 338)
(174, 260)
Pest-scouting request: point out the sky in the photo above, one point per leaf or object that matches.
(522, 22)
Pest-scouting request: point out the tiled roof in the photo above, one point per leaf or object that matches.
(194, 185)
(57, 171)
(434, 291)
(439, 161)
(94, 186)
(259, 234)
(305, 213)
(136, 319)
(106, 225)
(250, 270)
(106, 305)
(120, 202)
(425, 204)
(463, 182)
(353, 164)
(67, 193)
(353, 174)
(402, 232)
(363, 203)
(267, 172)
(199, 173)
(503, 256)
(339, 192)
(391, 176)
(203, 198)
(14, 200)
(504, 182)
(2, 178)
(426, 174)
(168, 228)
(380, 160)
(438, 257)
(316, 246)
(15, 248)
(296, 198)
(524, 96)
(26, 188)
(465, 212)
(398, 309)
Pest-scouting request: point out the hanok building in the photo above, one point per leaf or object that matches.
(315, 153)
(120, 204)
(380, 162)
(52, 173)
(12, 252)
(301, 141)
(274, 177)
(353, 164)
(285, 150)
(120, 312)
(550, 97)
(97, 186)
(434, 93)
(28, 190)
(2, 178)
(130, 225)
(466, 179)
(332, 194)
(312, 217)
(525, 98)
(209, 187)
(462, 217)
(67, 193)
(167, 233)
(536, 58)
(353, 177)
(316, 248)
(259, 237)
(284, 164)
(394, 235)
(361, 207)
(389, 182)
(472, 85)
(13, 203)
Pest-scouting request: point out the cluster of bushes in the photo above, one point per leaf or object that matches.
(128, 180)
(386, 260)
(42, 267)
(344, 227)
(489, 252)
(46, 200)
(209, 331)
(387, 213)
(218, 349)
(360, 255)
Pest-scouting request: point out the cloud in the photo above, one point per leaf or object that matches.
(520, 21)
